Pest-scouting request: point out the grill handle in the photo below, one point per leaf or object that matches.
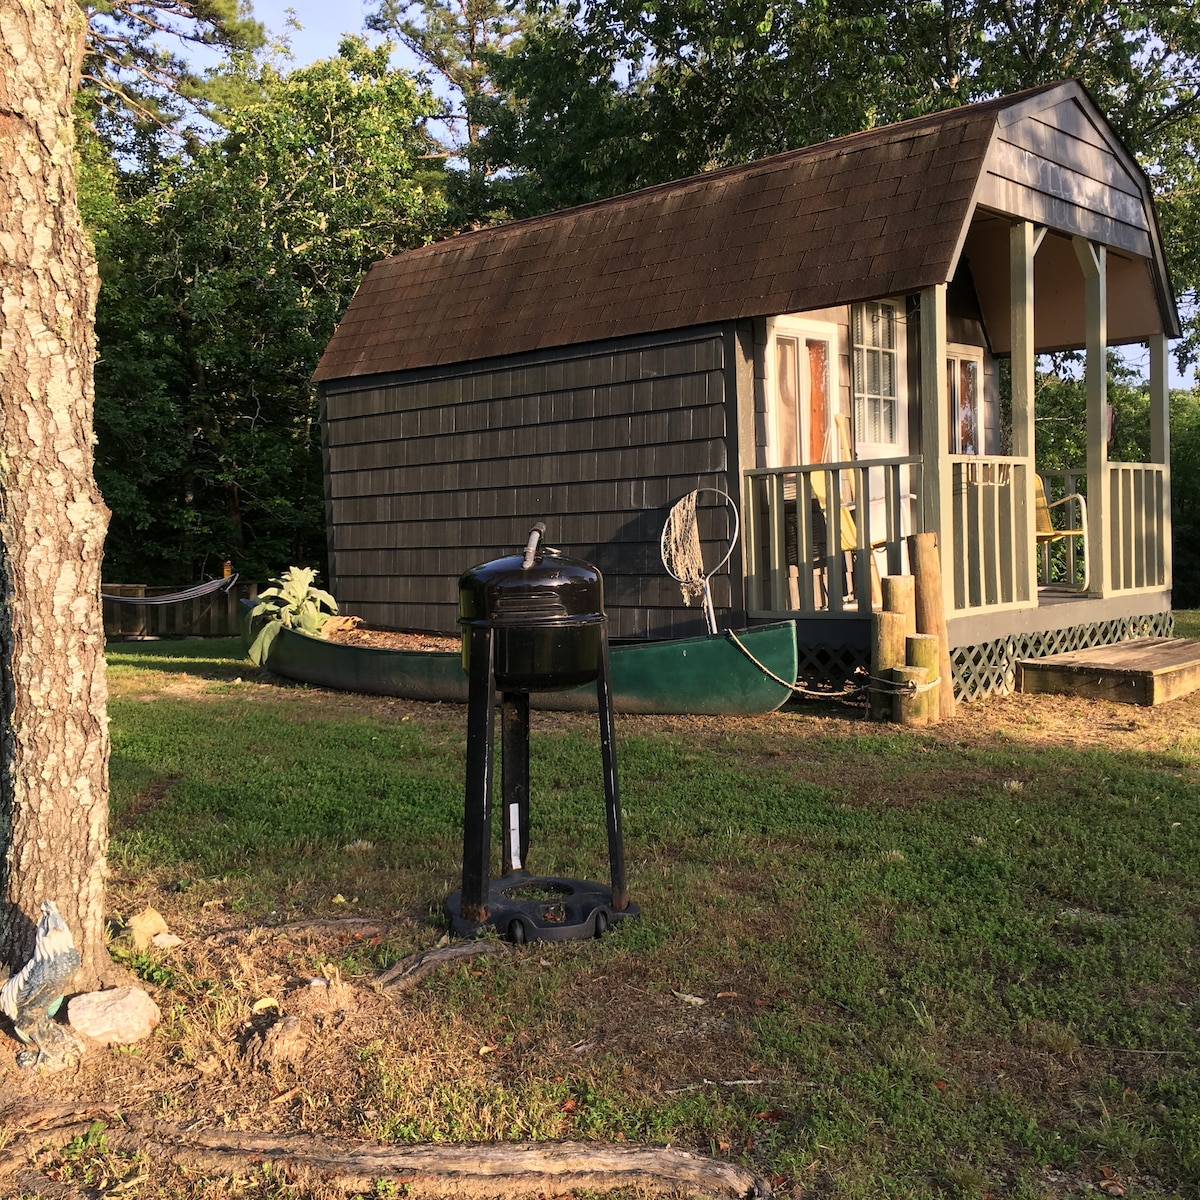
(535, 535)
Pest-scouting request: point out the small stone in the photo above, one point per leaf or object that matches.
(118, 1016)
(144, 926)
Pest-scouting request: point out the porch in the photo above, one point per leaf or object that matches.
(1031, 564)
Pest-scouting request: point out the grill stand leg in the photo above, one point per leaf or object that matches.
(514, 776)
(477, 810)
(612, 795)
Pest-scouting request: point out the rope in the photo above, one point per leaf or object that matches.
(888, 686)
(192, 593)
(910, 687)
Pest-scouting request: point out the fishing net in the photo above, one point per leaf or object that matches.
(681, 553)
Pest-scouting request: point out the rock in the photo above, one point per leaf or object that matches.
(166, 941)
(118, 1016)
(144, 926)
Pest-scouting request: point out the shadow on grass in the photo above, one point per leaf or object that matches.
(204, 658)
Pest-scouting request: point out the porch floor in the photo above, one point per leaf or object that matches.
(1146, 671)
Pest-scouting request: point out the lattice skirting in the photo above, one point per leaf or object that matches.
(989, 668)
(831, 666)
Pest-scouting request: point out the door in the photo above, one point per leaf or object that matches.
(804, 393)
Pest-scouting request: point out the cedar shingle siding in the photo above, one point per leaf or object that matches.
(445, 468)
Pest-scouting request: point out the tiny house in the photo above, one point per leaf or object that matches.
(842, 338)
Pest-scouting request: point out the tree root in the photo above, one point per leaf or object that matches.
(469, 1172)
(409, 971)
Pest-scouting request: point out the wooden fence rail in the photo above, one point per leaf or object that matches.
(215, 615)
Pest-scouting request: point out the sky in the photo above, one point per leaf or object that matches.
(323, 24)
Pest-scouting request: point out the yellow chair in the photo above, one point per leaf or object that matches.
(1048, 533)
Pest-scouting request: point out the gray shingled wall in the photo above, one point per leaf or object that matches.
(433, 471)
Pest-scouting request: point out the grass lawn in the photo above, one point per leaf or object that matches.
(871, 962)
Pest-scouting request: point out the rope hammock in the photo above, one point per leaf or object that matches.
(192, 593)
(682, 555)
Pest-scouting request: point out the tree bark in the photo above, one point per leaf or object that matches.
(53, 726)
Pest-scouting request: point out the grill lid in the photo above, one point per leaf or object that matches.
(538, 588)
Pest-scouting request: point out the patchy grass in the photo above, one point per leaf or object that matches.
(1187, 622)
(958, 962)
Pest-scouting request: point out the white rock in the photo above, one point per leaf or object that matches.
(166, 941)
(118, 1016)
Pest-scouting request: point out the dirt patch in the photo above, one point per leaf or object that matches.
(392, 639)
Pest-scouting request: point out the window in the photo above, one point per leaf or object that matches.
(876, 332)
(964, 385)
(804, 399)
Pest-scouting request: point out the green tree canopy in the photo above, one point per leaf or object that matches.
(222, 283)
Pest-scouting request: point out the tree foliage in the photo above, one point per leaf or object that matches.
(222, 282)
(138, 73)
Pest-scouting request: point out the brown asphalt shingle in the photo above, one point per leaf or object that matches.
(872, 214)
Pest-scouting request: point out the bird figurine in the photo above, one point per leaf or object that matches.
(32, 996)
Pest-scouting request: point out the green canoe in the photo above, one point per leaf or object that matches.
(734, 673)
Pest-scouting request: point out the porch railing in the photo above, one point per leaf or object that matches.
(818, 536)
(990, 532)
(1139, 525)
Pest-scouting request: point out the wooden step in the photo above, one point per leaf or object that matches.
(1145, 671)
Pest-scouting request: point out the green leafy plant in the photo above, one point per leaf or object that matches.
(291, 602)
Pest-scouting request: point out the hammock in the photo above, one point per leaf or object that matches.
(192, 593)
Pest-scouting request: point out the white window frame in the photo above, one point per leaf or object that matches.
(957, 353)
(802, 330)
(872, 409)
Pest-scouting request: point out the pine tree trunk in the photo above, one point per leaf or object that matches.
(53, 727)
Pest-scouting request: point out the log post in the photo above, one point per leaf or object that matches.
(931, 609)
(887, 651)
(907, 703)
(924, 650)
(900, 596)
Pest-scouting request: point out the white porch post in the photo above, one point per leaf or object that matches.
(936, 480)
(1023, 243)
(1093, 260)
(1160, 437)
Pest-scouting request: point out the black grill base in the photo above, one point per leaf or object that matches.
(571, 910)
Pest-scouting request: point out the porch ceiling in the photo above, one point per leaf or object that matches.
(1134, 313)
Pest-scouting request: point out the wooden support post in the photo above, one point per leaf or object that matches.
(1160, 440)
(887, 652)
(900, 596)
(1093, 261)
(906, 703)
(931, 612)
(937, 484)
(924, 650)
(1024, 240)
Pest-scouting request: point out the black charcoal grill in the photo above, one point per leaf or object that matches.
(531, 622)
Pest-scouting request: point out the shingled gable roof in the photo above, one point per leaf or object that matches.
(877, 213)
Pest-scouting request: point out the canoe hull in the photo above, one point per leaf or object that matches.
(705, 675)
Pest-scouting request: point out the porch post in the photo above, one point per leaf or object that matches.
(1160, 439)
(1093, 260)
(936, 478)
(1023, 243)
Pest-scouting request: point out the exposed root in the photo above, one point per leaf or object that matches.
(471, 1172)
(409, 971)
